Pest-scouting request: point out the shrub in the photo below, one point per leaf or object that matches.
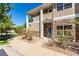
(19, 30)
(27, 36)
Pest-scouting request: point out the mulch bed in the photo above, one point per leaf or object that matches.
(54, 47)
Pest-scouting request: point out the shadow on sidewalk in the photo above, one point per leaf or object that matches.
(3, 53)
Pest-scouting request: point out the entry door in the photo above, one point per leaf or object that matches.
(47, 29)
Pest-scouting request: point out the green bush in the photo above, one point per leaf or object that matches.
(19, 30)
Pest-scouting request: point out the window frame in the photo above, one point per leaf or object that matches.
(63, 30)
(59, 6)
(65, 5)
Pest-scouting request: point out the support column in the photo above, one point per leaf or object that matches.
(41, 23)
(27, 22)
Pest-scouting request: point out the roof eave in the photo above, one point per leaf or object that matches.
(37, 9)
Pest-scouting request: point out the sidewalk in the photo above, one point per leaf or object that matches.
(8, 51)
(28, 49)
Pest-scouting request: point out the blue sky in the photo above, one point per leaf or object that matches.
(18, 13)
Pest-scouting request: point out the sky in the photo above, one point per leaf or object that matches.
(19, 12)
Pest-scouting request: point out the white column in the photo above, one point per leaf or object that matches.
(27, 22)
(41, 23)
(73, 5)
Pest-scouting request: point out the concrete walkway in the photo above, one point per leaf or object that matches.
(41, 41)
(27, 49)
(6, 50)
(10, 51)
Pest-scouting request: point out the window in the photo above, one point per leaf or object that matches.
(64, 30)
(67, 27)
(59, 30)
(59, 6)
(67, 5)
(59, 27)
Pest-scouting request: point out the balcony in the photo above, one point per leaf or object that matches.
(48, 15)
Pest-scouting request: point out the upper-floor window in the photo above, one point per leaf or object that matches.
(62, 6)
(67, 5)
(59, 6)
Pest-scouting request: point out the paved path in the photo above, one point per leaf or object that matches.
(41, 41)
(7, 50)
(10, 51)
(25, 49)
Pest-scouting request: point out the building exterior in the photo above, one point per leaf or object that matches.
(55, 19)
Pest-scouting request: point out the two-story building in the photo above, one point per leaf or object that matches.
(55, 19)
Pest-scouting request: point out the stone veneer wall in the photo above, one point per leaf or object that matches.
(63, 22)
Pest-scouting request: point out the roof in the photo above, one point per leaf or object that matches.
(37, 9)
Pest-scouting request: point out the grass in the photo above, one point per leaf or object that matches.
(4, 39)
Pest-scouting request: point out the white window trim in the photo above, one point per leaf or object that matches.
(56, 8)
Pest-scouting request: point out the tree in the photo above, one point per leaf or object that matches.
(5, 22)
(2, 27)
(19, 29)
